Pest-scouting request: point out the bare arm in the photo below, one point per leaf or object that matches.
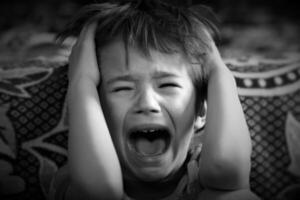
(94, 166)
(226, 152)
(242, 194)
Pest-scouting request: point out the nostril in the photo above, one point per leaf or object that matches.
(147, 107)
(154, 111)
(144, 110)
(147, 102)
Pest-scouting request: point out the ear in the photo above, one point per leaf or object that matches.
(201, 118)
(199, 123)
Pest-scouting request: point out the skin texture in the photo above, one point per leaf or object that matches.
(148, 93)
(93, 161)
(100, 161)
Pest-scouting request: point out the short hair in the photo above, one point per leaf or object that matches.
(154, 25)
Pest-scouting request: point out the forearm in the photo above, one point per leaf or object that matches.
(93, 160)
(227, 144)
(242, 194)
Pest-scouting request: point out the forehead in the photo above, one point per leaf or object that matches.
(116, 58)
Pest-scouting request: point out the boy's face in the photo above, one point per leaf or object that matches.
(149, 106)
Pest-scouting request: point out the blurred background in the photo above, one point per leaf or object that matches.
(32, 93)
(52, 14)
(247, 26)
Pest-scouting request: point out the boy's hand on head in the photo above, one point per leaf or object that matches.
(95, 171)
(225, 122)
(83, 60)
(214, 60)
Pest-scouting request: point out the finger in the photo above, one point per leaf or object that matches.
(89, 43)
(83, 58)
(87, 34)
(85, 45)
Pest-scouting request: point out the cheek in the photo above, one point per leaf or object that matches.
(183, 106)
(114, 115)
(113, 112)
(184, 112)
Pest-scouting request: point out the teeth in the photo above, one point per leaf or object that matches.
(148, 131)
(150, 134)
(151, 131)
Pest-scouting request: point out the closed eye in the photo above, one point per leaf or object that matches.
(166, 85)
(120, 89)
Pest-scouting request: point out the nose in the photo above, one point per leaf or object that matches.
(147, 102)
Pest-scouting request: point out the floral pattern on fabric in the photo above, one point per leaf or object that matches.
(33, 128)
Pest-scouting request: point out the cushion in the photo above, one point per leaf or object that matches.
(33, 129)
(34, 132)
(269, 90)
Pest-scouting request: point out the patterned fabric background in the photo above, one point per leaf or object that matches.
(270, 94)
(33, 129)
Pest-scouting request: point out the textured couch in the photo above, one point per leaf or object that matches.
(34, 130)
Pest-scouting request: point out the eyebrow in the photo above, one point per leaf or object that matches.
(163, 74)
(128, 77)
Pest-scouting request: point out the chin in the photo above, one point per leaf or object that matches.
(151, 174)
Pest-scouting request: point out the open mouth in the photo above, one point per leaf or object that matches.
(150, 141)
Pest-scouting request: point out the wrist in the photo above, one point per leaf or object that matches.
(81, 80)
(81, 86)
(220, 72)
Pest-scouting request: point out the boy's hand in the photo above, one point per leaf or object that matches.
(83, 61)
(214, 59)
(225, 124)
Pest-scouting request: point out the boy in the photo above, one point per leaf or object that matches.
(139, 77)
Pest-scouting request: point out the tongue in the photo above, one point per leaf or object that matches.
(147, 147)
